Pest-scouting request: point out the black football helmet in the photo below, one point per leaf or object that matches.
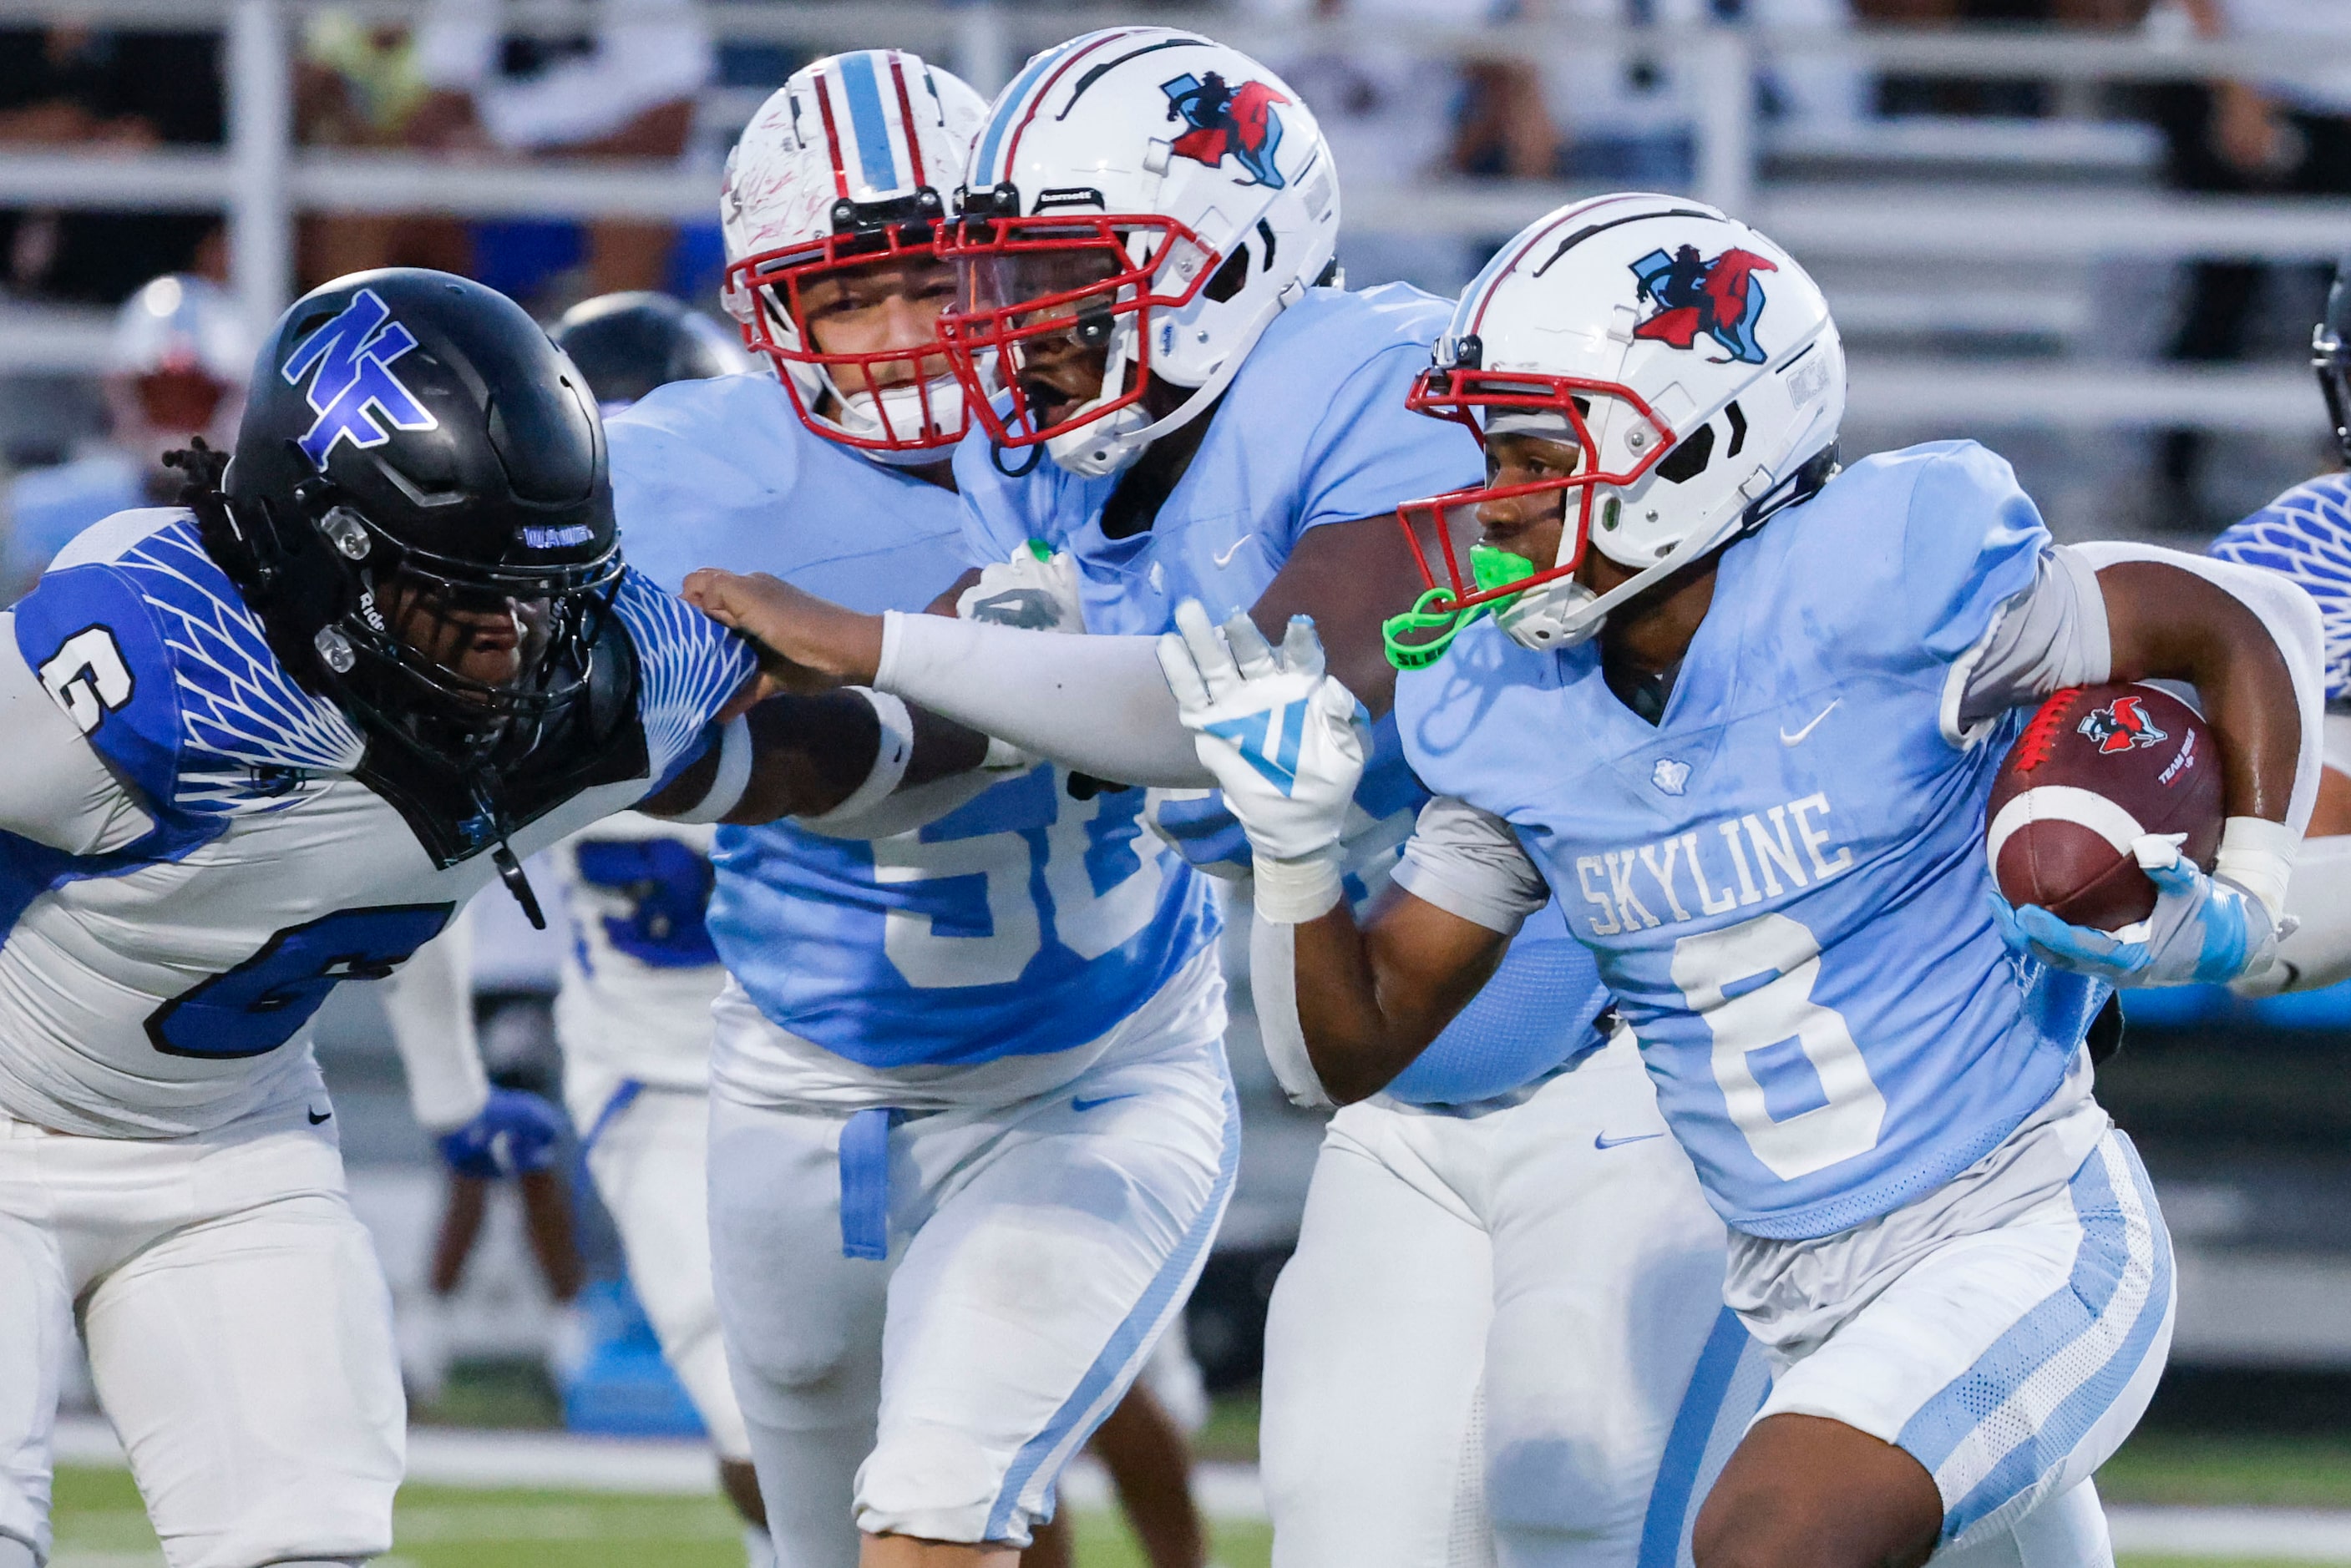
(2330, 355)
(628, 344)
(417, 507)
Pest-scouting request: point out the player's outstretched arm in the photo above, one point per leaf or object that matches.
(1103, 709)
(829, 759)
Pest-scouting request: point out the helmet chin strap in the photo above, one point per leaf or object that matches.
(1563, 613)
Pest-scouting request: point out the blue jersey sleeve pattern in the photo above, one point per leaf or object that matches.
(687, 666)
(2305, 535)
(154, 653)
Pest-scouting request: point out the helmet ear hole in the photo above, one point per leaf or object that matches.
(1687, 461)
(1230, 278)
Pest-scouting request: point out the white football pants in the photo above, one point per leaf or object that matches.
(650, 1159)
(238, 1327)
(1497, 1332)
(1036, 1250)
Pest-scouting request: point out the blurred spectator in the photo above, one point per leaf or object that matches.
(2286, 132)
(356, 85)
(1626, 112)
(623, 87)
(70, 85)
(1395, 118)
(1899, 93)
(176, 368)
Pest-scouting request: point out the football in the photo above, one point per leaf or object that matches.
(2096, 767)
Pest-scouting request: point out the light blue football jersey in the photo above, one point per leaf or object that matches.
(1784, 881)
(2305, 534)
(1024, 922)
(1313, 429)
(49, 507)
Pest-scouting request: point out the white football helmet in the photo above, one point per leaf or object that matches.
(1147, 193)
(1691, 362)
(848, 164)
(177, 365)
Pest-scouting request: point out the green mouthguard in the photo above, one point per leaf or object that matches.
(1419, 636)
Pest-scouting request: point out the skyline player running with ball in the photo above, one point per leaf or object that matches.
(1742, 710)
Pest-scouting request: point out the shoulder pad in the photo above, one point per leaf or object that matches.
(146, 645)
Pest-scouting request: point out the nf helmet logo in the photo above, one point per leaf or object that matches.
(1670, 776)
(1721, 298)
(355, 392)
(2120, 725)
(1236, 122)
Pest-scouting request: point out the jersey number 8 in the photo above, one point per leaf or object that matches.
(1752, 983)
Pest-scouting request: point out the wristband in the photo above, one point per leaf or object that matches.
(734, 775)
(1292, 892)
(2258, 856)
(893, 751)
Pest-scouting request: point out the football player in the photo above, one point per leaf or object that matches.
(175, 368)
(970, 1130)
(1190, 409)
(2306, 535)
(1740, 712)
(633, 1008)
(261, 743)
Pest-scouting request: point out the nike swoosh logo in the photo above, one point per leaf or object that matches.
(1797, 739)
(1080, 1104)
(1225, 559)
(1602, 1140)
(316, 1118)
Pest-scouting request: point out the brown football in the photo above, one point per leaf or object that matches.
(2096, 767)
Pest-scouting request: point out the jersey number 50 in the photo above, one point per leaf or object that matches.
(260, 1005)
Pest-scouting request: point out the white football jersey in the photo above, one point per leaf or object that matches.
(640, 971)
(158, 979)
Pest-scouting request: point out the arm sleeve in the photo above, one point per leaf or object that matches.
(428, 1002)
(1096, 704)
(55, 789)
(1469, 864)
(2051, 635)
(2292, 620)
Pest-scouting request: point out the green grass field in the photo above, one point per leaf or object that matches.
(100, 1523)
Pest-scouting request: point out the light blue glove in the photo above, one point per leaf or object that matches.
(514, 1134)
(2205, 931)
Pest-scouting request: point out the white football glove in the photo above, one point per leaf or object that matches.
(1286, 743)
(1036, 590)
